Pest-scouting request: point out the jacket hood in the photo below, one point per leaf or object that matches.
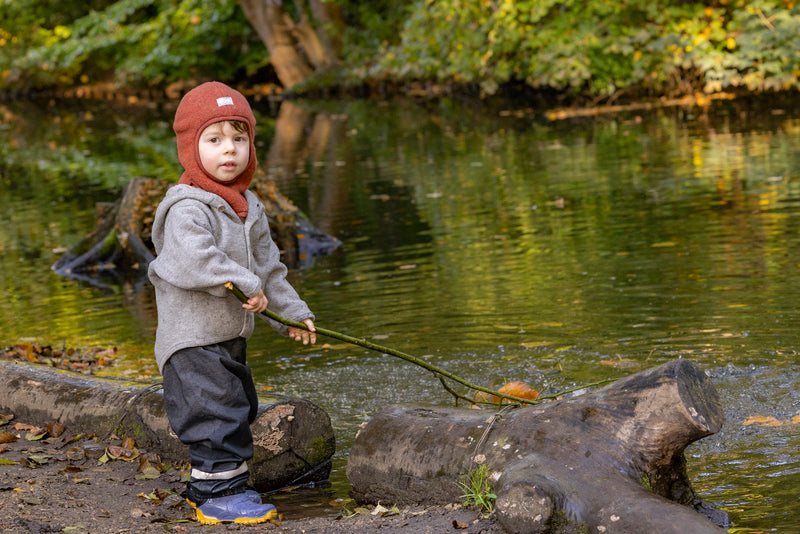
(202, 106)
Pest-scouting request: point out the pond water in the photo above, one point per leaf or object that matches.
(482, 236)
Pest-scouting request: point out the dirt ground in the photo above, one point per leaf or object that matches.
(51, 481)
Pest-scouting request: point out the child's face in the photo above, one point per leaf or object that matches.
(224, 151)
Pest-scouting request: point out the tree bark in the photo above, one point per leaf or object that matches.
(608, 461)
(269, 20)
(308, 40)
(330, 24)
(293, 438)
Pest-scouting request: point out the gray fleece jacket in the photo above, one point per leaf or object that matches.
(201, 243)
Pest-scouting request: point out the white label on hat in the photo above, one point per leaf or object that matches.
(224, 101)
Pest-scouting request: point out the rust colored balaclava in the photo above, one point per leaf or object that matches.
(199, 108)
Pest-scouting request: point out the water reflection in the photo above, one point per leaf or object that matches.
(497, 245)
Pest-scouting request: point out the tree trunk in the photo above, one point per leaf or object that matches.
(309, 41)
(293, 438)
(608, 461)
(269, 20)
(330, 24)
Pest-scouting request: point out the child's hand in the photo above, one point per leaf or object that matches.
(256, 304)
(306, 336)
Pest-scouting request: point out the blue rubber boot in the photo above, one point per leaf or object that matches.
(253, 495)
(237, 508)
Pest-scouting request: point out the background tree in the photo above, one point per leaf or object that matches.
(128, 42)
(301, 44)
(598, 49)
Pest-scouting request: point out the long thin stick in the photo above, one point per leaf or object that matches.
(386, 350)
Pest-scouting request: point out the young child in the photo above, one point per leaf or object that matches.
(209, 230)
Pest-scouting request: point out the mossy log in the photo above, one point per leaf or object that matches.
(293, 438)
(120, 246)
(608, 461)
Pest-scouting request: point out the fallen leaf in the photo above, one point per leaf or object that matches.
(514, 388)
(796, 419)
(36, 436)
(379, 510)
(7, 437)
(459, 524)
(75, 454)
(36, 460)
(761, 420)
(28, 428)
(519, 389)
(29, 354)
(55, 428)
(173, 501)
(148, 472)
(115, 452)
(162, 493)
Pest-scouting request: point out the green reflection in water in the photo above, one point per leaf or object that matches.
(498, 245)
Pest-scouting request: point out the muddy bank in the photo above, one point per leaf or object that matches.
(82, 484)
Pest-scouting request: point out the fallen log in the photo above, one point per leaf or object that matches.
(120, 246)
(608, 461)
(293, 438)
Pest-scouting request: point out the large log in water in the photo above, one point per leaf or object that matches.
(293, 438)
(608, 461)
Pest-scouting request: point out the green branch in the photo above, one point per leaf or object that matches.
(392, 352)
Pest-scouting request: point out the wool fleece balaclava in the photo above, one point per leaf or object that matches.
(199, 108)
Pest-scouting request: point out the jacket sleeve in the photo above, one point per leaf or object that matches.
(283, 298)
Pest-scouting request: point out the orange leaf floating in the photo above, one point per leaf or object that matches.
(519, 389)
(761, 420)
(515, 388)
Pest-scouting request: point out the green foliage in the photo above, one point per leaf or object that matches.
(130, 41)
(598, 48)
(477, 487)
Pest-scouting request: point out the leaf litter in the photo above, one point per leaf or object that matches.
(80, 360)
